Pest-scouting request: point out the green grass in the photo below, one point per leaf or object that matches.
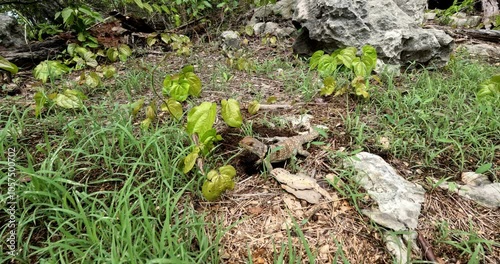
(102, 191)
(467, 242)
(433, 117)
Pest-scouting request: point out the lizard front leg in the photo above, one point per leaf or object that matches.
(303, 152)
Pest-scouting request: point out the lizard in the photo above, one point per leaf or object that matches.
(284, 149)
(300, 185)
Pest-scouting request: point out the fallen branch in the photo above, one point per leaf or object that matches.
(270, 106)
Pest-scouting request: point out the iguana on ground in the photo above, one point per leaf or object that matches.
(284, 149)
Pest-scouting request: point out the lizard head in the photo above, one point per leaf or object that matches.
(253, 145)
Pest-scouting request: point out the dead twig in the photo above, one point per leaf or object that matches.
(426, 247)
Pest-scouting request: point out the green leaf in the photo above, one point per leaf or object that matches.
(346, 56)
(218, 182)
(231, 113)
(166, 38)
(139, 3)
(201, 118)
(125, 50)
(70, 99)
(313, 63)
(40, 100)
(8, 66)
(369, 57)
(253, 107)
(148, 7)
(151, 41)
(172, 107)
(47, 69)
(108, 71)
(207, 140)
(136, 106)
(327, 65)
(188, 68)
(72, 49)
(359, 68)
(89, 58)
(179, 90)
(194, 83)
(329, 86)
(190, 160)
(93, 80)
(112, 54)
(249, 30)
(81, 37)
(146, 123)
(68, 16)
(489, 88)
(483, 168)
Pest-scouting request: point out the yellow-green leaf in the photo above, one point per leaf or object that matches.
(136, 106)
(249, 30)
(188, 68)
(190, 160)
(151, 111)
(70, 99)
(359, 84)
(253, 107)
(194, 83)
(89, 58)
(173, 107)
(313, 63)
(151, 41)
(40, 100)
(125, 49)
(346, 56)
(146, 123)
(272, 99)
(329, 86)
(47, 69)
(327, 65)
(108, 71)
(179, 90)
(218, 182)
(201, 118)
(93, 80)
(228, 170)
(112, 54)
(231, 113)
(344, 89)
(166, 38)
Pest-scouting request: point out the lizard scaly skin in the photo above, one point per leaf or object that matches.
(280, 151)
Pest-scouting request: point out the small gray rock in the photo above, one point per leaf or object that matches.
(231, 39)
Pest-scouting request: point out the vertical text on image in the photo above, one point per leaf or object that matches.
(11, 201)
